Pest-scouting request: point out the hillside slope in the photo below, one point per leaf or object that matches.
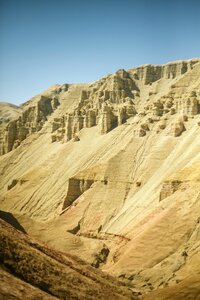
(110, 171)
(57, 274)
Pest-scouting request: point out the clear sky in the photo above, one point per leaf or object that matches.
(43, 42)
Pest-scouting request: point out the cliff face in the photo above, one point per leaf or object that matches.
(151, 73)
(30, 119)
(108, 103)
(110, 171)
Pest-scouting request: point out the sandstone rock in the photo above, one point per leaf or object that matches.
(90, 118)
(176, 128)
(101, 257)
(56, 124)
(162, 124)
(172, 111)
(12, 184)
(139, 132)
(53, 138)
(106, 188)
(65, 87)
(108, 120)
(158, 108)
(31, 119)
(188, 104)
(76, 187)
(169, 188)
(10, 136)
(76, 139)
(150, 73)
(145, 126)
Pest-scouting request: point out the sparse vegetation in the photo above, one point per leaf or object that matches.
(54, 272)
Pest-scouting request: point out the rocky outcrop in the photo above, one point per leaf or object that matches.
(12, 184)
(106, 189)
(169, 187)
(101, 257)
(76, 187)
(141, 130)
(105, 108)
(188, 105)
(108, 120)
(176, 128)
(106, 103)
(31, 120)
(151, 73)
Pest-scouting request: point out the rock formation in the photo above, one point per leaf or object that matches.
(109, 171)
(150, 73)
(31, 120)
(108, 103)
(176, 127)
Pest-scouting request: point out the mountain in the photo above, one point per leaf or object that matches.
(109, 171)
(43, 273)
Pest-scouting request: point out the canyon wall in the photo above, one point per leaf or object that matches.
(109, 171)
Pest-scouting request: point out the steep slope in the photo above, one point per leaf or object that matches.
(186, 290)
(20, 289)
(55, 273)
(8, 112)
(113, 174)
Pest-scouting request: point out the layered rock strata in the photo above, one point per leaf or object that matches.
(119, 185)
(107, 103)
(30, 121)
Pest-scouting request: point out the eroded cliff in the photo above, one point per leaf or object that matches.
(112, 172)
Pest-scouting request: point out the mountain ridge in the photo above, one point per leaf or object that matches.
(109, 171)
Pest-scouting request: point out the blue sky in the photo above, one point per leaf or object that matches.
(43, 42)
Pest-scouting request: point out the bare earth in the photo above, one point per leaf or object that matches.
(109, 171)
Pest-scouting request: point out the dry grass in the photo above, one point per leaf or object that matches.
(53, 272)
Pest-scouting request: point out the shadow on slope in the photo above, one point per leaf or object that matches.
(9, 218)
(60, 275)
